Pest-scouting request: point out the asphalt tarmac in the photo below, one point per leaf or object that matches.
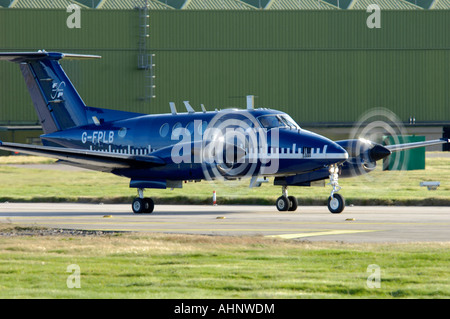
(313, 223)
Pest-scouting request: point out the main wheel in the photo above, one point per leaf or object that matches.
(293, 203)
(149, 205)
(138, 205)
(143, 205)
(282, 203)
(336, 204)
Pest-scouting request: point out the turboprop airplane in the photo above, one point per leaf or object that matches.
(163, 150)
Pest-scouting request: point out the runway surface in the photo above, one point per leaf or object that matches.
(313, 223)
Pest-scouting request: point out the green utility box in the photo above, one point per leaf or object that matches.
(405, 160)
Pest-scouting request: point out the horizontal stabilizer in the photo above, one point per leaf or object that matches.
(21, 57)
(100, 161)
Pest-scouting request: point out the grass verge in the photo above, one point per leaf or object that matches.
(128, 265)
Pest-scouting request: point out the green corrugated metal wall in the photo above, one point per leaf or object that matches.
(320, 66)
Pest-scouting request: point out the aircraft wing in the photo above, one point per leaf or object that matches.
(95, 160)
(407, 146)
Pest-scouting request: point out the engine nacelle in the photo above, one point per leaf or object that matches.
(363, 155)
(355, 168)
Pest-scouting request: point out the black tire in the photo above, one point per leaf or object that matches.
(138, 206)
(336, 204)
(149, 205)
(293, 203)
(282, 203)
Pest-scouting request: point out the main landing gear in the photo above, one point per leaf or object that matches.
(142, 205)
(336, 202)
(285, 202)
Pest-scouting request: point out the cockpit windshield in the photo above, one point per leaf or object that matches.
(279, 120)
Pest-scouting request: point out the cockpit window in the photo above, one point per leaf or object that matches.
(271, 121)
(289, 121)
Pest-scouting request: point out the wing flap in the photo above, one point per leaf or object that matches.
(90, 159)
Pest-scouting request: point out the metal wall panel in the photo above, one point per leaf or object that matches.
(298, 30)
(319, 66)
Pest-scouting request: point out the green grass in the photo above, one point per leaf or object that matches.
(183, 266)
(377, 188)
(25, 160)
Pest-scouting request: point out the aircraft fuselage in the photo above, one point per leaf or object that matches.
(291, 150)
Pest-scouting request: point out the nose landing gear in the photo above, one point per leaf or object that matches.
(142, 205)
(285, 202)
(336, 202)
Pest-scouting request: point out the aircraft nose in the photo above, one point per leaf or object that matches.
(335, 151)
(323, 148)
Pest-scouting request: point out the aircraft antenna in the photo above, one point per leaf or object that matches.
(173, 109)
(250, 102)
(188, 107)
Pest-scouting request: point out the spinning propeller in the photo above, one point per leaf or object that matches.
(364, 146)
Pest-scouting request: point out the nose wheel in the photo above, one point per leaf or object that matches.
(336, 202)
(142, 205)
(286, 203)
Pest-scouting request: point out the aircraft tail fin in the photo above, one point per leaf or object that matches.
(57, 103)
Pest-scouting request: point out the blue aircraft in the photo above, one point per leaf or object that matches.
(163, 150)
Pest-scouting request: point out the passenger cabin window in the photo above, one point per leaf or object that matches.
(271, 121)
(248, 124)
(164, 130)
(176, 125)
(190, 127)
